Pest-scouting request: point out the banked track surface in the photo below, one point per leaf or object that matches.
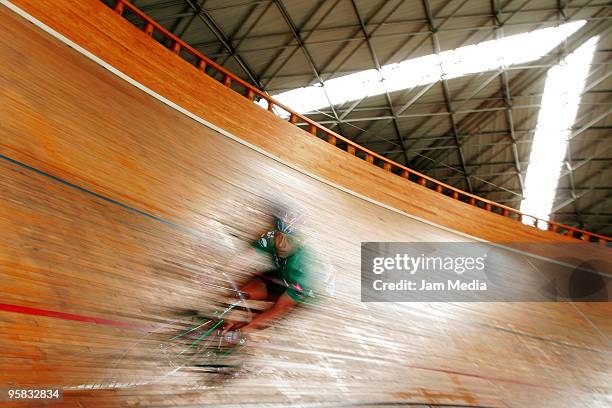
(96, 253)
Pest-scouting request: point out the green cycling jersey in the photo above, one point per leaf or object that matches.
(294, 269)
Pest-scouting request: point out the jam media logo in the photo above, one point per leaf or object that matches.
(413, 272)
(485, 272)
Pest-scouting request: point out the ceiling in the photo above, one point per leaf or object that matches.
(483, 146)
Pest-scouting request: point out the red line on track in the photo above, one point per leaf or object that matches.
(142, 327)
(484, 377)
(74, 317)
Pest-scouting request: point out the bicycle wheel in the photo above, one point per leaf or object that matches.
(187, 351)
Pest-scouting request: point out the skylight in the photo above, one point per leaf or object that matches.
(485, 56)
(562, 91)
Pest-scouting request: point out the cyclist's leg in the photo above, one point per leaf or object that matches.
(255, 289)
(275, 285)
(268, 287)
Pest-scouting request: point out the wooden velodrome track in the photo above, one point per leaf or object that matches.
(118, 210)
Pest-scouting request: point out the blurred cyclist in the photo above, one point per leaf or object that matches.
(288, 283)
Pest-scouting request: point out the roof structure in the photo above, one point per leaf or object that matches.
(473, 132)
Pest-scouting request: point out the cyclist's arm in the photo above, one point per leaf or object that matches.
(283, 305)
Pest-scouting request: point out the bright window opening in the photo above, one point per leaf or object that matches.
(485, 56)
(562, 92)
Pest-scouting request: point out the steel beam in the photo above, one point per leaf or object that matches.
(586, 215)
(434, 104)
(476, 120)
(377, 66)
(382, 36)
(368, 35)
(207, 19)
(590, 123)
(574, 197)
(572, 181)
(499, 34)
(528, 67)
(187, 18)
(296, 35)
(296, 47)
(580, 129)
(424, 89)
(254, 24)
(509, 163)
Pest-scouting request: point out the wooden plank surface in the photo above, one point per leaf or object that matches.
(98, 29)
(116, 207)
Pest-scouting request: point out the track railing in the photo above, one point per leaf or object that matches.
(201, 62)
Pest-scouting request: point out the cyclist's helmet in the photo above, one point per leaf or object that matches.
(288, 222)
